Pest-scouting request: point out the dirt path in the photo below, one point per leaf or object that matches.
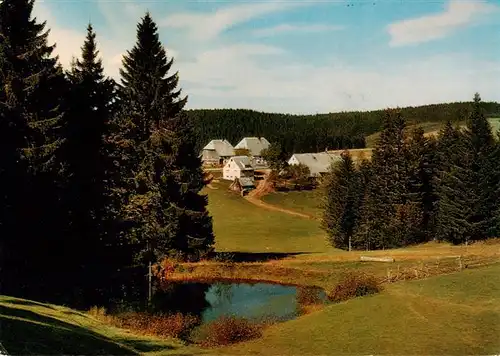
(267, 206)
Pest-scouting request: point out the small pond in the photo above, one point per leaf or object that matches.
(256, 301)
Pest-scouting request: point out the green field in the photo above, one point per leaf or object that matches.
(495, 124)
(431, 127)
(243, 227)
(456, 314)
(306, 202)
(32, 328)
(452, 314)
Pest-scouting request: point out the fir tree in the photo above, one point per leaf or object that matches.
(481, 141)
(91, 104)
(388, 214)
(467, 181)
(163, 210)
(342, 201)
(421, 157)
(32, 89)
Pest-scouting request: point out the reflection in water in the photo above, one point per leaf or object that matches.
(186, 298)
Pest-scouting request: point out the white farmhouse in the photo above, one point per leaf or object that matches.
(217, 152)
(318, 163)
(238, 167)
(255, 146)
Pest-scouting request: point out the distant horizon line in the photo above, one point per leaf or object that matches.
(346, 111)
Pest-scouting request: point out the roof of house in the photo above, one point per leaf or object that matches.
(222, 147)
(243, 162)
(317, 162)
(246, 181)
(254, 144)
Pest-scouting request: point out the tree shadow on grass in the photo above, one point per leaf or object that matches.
(260, 256)
(24, 332)
(143, 345)
(29, 303)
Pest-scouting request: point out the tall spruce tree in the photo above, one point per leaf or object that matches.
(421, 157)
(495, 158)
(388, 213)
(481, 141)
(467, 180)
(32, 88)
(343, 196)
(90, 107)
(163, 210)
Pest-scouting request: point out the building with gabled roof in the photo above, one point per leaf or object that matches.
(255, 145)
(238, 167)
(217, 152)
(318, 163)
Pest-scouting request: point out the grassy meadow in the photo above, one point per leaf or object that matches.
(306, 202)
(240, 226)
(435, 303)
(32, 328)
(456, 314)
(430, 128)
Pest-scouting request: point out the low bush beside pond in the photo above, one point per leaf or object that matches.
(354, 285)
(227, 330)
(163, 325)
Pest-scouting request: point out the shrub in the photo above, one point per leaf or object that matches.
(224, 257)
(167, 325)
(354, 285)
(228, 330)
(309, 295)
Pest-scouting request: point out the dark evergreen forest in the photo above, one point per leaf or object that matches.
(417, 189)
(315, 133)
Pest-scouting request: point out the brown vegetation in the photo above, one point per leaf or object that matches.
(167, 325)
(355, 285)
(228, 330)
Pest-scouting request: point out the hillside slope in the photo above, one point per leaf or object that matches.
(313, 133)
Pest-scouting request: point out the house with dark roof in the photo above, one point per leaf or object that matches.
(217, 152)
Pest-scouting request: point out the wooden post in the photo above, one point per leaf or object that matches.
(350, 247)
(150, 289)
(460, 262)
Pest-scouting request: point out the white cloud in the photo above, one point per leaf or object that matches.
(286, 28)
(457, 14)
(68, 41)
(207, 26)
(230, 78)
(267, 78)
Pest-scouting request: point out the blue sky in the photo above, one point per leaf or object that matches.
(302, 56)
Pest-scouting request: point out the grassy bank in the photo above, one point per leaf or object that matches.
(32, 328)
(325, 269)
(456, 314)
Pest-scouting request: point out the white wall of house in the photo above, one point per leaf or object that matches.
(232, 170)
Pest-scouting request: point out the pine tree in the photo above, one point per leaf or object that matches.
(421, 157)
(163, 210)
(494, 230)
(31, 93)
(482, 143)
(90, 107)
(342, 201)
(388, 213)
(467, 181)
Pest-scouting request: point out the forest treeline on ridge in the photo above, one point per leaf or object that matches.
(314, 133)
